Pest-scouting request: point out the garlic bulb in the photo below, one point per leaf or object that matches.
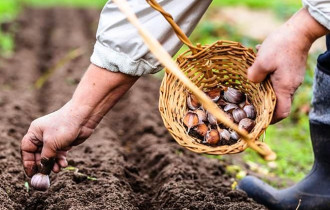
(202, 116)
(212, 120)
(192, 102)
(246, 124)
(201, 129)
(214, 94)
(238, 115)
(40, 182)
(250, 111)
(190, 120)
(230, 107)
(233, 96)
(225, 134)
(212, 137)
(234, 135)
(222, 102)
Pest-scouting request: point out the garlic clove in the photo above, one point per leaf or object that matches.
(246, 124)
(245, 102)
(222, 102)
(242, 104)
(212, 137)
(212, 120)
(214, 94)
(225, 134)
(202, 116)
(201, 129)
(233, 96)
(238, 115)
(192, 102)
(230, 107)
(234, 135)
(40, 182)
(190, 120)
(250, 111)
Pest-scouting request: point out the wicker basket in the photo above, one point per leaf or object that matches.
(225, 63)
(207, 66)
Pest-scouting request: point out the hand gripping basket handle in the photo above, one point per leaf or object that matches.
(164, 58)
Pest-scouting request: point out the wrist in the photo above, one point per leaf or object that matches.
(306, 28)
(77, 114)
(97, 92)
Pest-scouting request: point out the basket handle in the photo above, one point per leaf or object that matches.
(180, 34)
(164, 58)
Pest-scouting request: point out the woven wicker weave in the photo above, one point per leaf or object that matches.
(225, 63)
(207, 66)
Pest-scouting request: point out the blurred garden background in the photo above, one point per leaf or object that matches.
(246, 21)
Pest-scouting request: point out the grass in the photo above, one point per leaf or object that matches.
(283, 8)
(70, 3)
(261, 4)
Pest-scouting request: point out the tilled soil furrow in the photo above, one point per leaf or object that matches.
(18, 108)
(45, 53)
(170, 175)
(88, 16)
(130, 162)
(103, 149)
(101, 158)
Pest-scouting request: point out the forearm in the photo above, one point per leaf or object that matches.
(97, 92)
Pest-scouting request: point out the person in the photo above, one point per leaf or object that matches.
(120, 58)
(283, 56)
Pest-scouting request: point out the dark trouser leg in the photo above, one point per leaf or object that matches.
(313, 192)
(320, 112)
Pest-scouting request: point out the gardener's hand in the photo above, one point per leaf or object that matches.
(53, 135)
(283, 55)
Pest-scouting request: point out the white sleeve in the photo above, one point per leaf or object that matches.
(119, 47)
(320, 10)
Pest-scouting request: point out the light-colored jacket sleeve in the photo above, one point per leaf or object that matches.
(320, 10)
(119, 47)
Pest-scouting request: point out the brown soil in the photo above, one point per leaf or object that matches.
(136, 163)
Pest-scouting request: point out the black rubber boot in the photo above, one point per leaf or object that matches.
(313, 192)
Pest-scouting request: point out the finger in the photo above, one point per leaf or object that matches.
(38, 158)
(63, 163)
(29, 146)
(283, 107)
(56, 168)
(258, 71)
(258, 47)
(61, 159)
(29, 163)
